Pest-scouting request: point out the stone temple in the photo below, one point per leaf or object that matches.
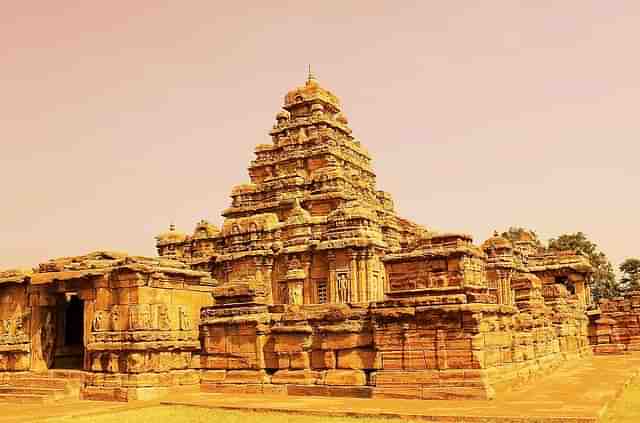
(313, 285)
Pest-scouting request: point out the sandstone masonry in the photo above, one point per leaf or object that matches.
(313, 285)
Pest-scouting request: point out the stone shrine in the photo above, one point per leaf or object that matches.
(313, 285)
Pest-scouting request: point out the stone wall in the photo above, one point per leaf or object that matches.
(144, 334)
(421, 348)
(15, 328)
(615, 329)
(136, 332)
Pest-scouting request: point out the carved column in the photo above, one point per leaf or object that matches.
(498, 286)
(257, 263)
(383, 279)
(371, 282)
(362, 276)
(578, 283)
(260, 341)
(441, 349)
(267, 279)
(308, 291)
(331, 283)
(353, 276)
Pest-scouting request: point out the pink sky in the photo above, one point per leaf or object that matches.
(119, 117)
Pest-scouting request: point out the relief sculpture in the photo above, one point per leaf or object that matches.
(164, 321)
(100, 321)
(48, 338)
(343, 287)
(185, 319)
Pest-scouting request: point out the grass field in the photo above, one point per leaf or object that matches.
(627, 408)
(624, 410)
(180, 414)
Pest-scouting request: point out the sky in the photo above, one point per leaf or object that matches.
(118, 118)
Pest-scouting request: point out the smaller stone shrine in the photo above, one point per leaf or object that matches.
(130, 322)
(615, 325)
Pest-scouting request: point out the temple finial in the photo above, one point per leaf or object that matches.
(172, 227)
(310, 75)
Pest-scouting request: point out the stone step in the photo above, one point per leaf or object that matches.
(76, 375)
(52, 392)
(39, 382)
(25, 398)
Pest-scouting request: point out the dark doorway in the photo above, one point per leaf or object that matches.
(70, 346)
(565, 281)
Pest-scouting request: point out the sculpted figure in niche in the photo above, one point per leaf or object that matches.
(115, 318)
(96, 362)
(145, 316)
(295, 294)
(254, 231)
(294, 264)
(5, 327)
(284, 294)
(164, 322)
(48, 339)
(19, 324)
(185, 319)
(343, 287)
(135, 322)
(100, 321)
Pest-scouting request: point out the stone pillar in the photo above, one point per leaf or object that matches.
(441, 349)
(309, 291)
(331, 283)
(260, 341)
(581, 292)
(267, 278)
(362, 276)
(372, 289)
(353, 275)
(295, 291)
(38, 314)
(499, 286)
(257, 262)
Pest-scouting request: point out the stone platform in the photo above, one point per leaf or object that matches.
(579, 393)
(572, 394)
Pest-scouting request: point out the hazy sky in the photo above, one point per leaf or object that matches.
(119, 117)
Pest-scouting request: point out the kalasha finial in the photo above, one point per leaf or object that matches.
(172, 227)
(310, 76)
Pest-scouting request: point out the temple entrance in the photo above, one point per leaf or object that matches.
(69, 348)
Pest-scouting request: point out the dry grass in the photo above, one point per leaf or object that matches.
(627, 408)
(183, 414)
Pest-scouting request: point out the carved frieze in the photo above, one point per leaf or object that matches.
(48, 338)
(140, 317)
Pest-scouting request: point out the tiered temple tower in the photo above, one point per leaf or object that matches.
(407, 313)
(311, 226)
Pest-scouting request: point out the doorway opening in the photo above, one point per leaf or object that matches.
(69, 352)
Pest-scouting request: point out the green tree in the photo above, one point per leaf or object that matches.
(630, 269)
(517, 233)
(603, 283)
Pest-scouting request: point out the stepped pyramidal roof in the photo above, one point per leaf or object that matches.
(311, 225)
